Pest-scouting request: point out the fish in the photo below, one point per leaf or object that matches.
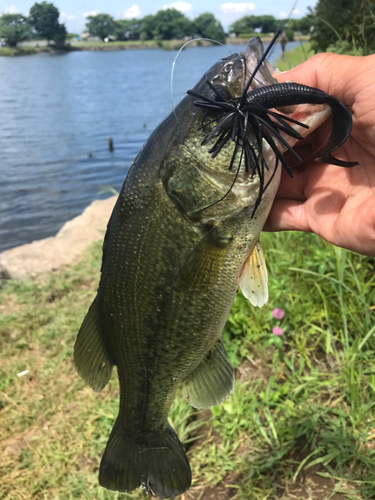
(182, 238)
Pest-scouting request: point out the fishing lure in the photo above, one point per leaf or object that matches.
(233, 117)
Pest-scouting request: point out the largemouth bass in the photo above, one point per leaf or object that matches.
(183, 236)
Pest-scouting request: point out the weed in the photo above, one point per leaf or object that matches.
(303, 408)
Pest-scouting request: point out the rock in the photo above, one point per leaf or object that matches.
(64, 248)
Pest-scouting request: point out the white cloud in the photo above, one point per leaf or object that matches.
(93, 13)
(11, 10)
(237, 8)
(132, 12)
(63, 18)
(284, 15)
(181, 6)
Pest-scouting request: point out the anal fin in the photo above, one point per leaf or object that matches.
(253, 279)
(212, 381)
(91, 358)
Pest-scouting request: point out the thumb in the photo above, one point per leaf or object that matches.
(334, 74)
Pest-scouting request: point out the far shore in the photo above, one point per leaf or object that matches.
(129, 45)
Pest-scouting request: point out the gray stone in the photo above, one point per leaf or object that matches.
(65, 248)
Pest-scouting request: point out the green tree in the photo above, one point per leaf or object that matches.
(289, 34)
(245, 24)
(267, 24)
(171, 23)
(302, 25)
(128, 29)
(101, 25)
(146, 29)
(248, 24)
(349, 24)
(44, 19)
(14, 28)
(207, 26)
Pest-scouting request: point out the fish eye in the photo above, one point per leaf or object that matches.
(228, 67)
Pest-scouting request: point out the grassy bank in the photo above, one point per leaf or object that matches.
(294, 57)
(129, 45)
(300, 423)
(90, 46)
(137, 44)
(242, 40)
(22, 51)
(104, 47)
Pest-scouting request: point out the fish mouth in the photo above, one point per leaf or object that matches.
(231, 78)
(244, 126)
(252, 55)
(238, 68)
(239, 184)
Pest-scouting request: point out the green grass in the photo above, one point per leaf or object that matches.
(118, 44)
(299, 424)
(137, 44)
(302, 409)
(294, 57)
(128, 45)
(21, 51)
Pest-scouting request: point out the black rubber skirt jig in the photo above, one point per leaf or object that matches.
(234, 119)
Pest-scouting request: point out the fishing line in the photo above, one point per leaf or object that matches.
(284, 24)
(174, 63)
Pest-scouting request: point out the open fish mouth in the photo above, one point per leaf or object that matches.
(250, 120)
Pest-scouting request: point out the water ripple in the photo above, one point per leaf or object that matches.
(57, 113)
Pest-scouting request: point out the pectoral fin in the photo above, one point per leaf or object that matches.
(254, 278)
(212, 381)
(93, 362)
(202, 267)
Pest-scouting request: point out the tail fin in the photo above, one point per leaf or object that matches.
(155, 461)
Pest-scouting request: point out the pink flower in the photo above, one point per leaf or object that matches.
(277, 330)
(278, 313)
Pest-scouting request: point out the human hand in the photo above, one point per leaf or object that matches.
(334, 202)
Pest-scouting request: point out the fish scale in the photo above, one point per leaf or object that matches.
(182, 237)
(169, 326)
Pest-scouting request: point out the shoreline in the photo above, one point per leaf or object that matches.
(68, 244)
(66, 247)
(129, 45)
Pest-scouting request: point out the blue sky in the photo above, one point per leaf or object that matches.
(73, 12)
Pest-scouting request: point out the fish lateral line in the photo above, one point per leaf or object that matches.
(153, 449)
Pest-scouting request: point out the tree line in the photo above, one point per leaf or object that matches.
(339, 25)
(170, 24)
(269, 24)
(166, 24)
(42, 21)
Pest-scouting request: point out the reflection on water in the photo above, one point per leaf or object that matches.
(57, 113)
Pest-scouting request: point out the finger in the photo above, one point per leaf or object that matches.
(292, 188)
(328, 72)
(306, 172)
(287, 215)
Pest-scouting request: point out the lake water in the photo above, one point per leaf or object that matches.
(56, 114)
